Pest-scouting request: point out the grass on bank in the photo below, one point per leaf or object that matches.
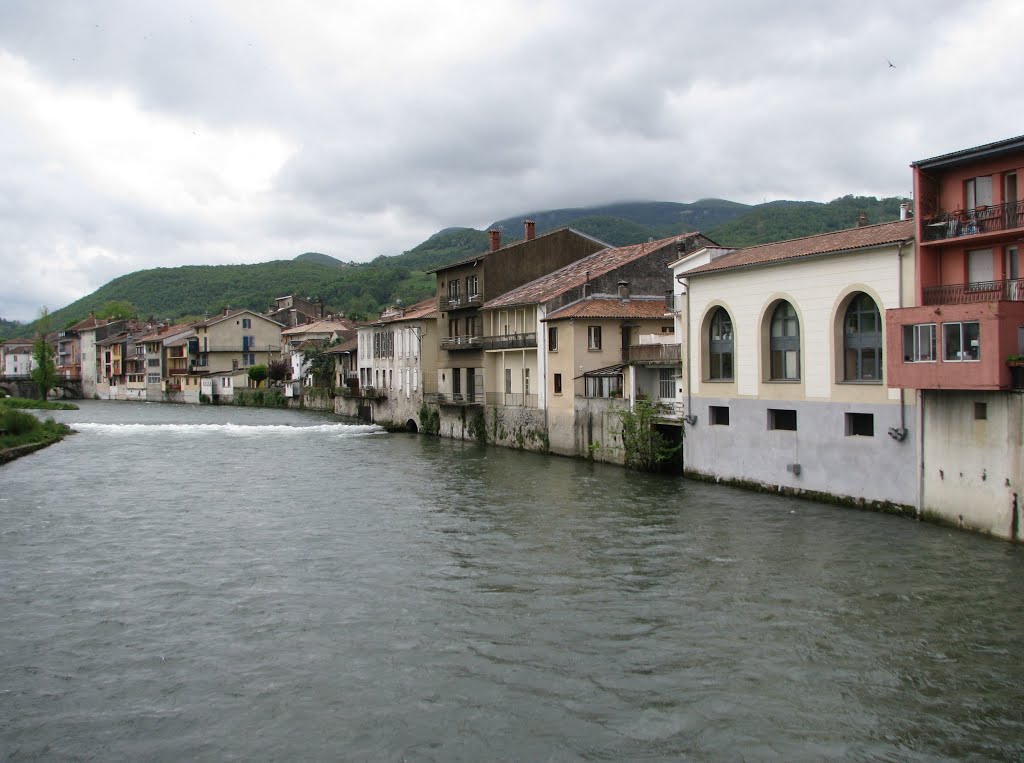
(39, 405)
(20, 428)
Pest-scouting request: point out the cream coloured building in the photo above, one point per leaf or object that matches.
(784, 379)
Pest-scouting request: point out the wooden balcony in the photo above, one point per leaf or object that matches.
(653, 354)
(459, 303)
(509, 341)
(992, 219)
(982, 291)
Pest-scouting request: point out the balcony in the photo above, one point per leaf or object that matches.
(952, 345)
(981, 291)
(993, 219)
(452, 398)
(511, 399)
(461, 343)
(460, 303)
(653, 354)
(509, 341)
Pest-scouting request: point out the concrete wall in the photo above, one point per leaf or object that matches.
(973, 472)
(854, 467)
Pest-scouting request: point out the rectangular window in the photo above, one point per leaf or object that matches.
(508, 381)
(153, 379)
(552, 339)
(980, 411)
(980, 266)
(593, 337)
(860, 425)
(558, 384)
(961, 341)
(603, 386)
(666, 384)
(453, 291)
(782, 418)
(472, 287)
(668, 329)
(978, 192)
(456, 381)
(247, 323)
(919, 343)
(526, 381)
(718, 415)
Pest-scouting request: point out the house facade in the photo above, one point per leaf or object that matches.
(234, 340)
(464, 287)
(622, 291)
(395, 354)
(954, 342)
(784, 383)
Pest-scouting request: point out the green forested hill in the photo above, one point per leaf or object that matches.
(363, 289)
(778, 221)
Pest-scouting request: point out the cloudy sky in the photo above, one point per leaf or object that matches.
(139, 134)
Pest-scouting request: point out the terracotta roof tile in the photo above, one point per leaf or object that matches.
(576, 273)
(425, 309)
(864, 237)
(612, 308)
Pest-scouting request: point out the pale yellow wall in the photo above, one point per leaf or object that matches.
(819, 289)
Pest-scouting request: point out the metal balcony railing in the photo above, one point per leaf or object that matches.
(989, 219)
(511, 399)
(653, 353)
(453, 398)
(981, 291)
(460, 342)
(509, 341)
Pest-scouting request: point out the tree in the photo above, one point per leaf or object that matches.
(644, 446)
(277, 370)
(118, 309)
(44, 371)
(258, 374)
(319, 363)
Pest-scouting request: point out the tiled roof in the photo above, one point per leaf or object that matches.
(350, 346)
(576, 273)
(232, 314)
(988, 150)
(865, 237)
(425, 309)
(609, 307)
(515, 244)
(325, 326)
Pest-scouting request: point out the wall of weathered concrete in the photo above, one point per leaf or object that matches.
(973, 473)
(858, 468)
(520, 428)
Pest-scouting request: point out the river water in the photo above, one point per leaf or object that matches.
(183, 582)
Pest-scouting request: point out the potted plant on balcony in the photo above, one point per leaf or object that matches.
(1016, 364)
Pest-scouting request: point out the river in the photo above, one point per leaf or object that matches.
(185, 582)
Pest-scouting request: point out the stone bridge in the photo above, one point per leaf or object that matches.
(23, 386)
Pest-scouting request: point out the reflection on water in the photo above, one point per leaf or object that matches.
(185, 582)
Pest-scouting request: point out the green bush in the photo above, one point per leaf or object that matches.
(17, 423)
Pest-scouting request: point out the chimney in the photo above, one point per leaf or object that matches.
(530, 229)
(862, 219)
(623, 289)
(495, 240)
(904, 208)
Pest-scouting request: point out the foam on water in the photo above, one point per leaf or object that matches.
(233, 430)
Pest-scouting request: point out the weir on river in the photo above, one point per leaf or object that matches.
(186, 582)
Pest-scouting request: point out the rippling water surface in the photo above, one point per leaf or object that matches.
(217, 583)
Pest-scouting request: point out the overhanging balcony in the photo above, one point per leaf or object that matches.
(982, 291)
(975, 222)
(459, 303)
(461, 342)
(511, 399)
(653, 354)
(509, 341)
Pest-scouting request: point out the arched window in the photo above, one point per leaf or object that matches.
(862, 340)
(785, 344)
(720, 346)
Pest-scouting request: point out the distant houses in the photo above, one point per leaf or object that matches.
(878, 366)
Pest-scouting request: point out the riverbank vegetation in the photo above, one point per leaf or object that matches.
(21, 433)
(41, 405)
